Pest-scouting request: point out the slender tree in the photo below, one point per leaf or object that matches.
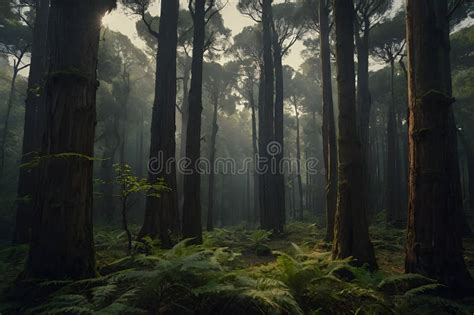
(329, 127)
(192, 180)
(351, 235)
(388, 44)
(161, 214)
(34, 117)
(434, 242)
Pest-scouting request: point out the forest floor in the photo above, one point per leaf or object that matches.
(235, 271)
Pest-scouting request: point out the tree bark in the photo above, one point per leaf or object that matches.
(351, 235)
(62, 239)
(298, 163)
(34, 106)
(192, 182)
(256, 202)
(280, 210)
(434, 242)
(328, 128)
(161, 214)
(363, 103)
(270, 219)
(212, 156)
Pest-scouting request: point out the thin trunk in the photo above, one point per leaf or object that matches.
(434, 238)
(351, 235)
(161, 214)
(34, 107)
(256, 204)
(192, 182)
(392, 176)
(62, 243)
(329, 128)
(298, 163)
(212, 156)
(261, 145)
(270, 219)
(184, 124)
(125, 226)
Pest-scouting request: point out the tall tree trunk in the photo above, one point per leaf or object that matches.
(434, 243)
(256, 203)
(192, 181)
(161, 214)
(364, 105)
(212, 156)
(298, 163)
(393, 195)
(184, 124)
(280, 211)
(329, 128)
(351, 235)
(34, 118)
(261, 146)
(270, 219)
(62, 239)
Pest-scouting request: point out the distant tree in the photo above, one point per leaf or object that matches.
(387, 43)
(218, 81)
(295, 94)
(288, 26)
(248, 50)
(15, 43)
(201, 11)
(351, 234)
(62, 239)
(368, 14)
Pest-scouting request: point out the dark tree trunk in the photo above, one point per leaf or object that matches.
(256, 202)
(161, 214)
(34, 118)
(280, 210)
(393, 177)
(298, 163)
(192, 181)
(62, 239)
(261, 145)
(329, 128)
(351, 235)
(270, 219)
(364, 105)
(212, 156)
(434, 243)
(184, 124)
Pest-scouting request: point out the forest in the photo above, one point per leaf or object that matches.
(236, 157)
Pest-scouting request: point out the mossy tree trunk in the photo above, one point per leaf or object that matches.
(62, 239)
(434, 239)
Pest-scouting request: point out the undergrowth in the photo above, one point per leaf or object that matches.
(297, 277)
